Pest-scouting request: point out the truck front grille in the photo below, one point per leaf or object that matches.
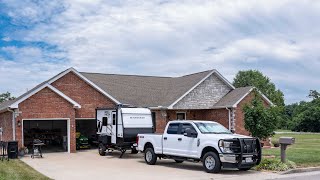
(248, 145)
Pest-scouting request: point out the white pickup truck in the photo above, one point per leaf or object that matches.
(205, 141)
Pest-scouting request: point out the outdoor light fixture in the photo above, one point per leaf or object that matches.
(19, 123)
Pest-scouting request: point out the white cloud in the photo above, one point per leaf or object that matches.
(176, 37)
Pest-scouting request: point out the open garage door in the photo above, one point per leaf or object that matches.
(53, 133)
(86, 133)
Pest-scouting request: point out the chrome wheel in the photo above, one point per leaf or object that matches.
(149, 156)
(210, 162)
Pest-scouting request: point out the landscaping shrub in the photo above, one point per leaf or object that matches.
(274, 164)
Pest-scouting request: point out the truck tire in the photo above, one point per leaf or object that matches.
(150, 157)
(211, 162)
(102, 149)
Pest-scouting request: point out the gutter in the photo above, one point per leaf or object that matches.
(13, 124)
(229, 116)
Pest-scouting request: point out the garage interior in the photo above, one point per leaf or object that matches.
(53, 133)
(87, 128)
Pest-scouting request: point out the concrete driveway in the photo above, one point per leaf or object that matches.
(88, 164)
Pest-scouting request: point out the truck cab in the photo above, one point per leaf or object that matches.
(205, 141)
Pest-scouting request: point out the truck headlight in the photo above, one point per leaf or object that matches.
(225, 146)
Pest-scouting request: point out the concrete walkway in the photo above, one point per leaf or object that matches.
(88, 165)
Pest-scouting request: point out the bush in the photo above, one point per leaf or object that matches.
(275, 143)
(275, 164)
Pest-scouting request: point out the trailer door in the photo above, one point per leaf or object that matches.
(114, 127)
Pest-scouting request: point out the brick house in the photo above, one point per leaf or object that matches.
(66, 103)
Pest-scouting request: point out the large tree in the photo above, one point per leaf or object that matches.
(263, 83)
(5, 97)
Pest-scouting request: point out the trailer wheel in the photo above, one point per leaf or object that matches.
(134, 151)
(150, 157)
(211, 162)
(102, 149)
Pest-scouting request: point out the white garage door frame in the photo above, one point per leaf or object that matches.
(49, 119)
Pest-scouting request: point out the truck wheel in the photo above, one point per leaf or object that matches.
(150, 157)
(211, 162)
(102, 149)
(178, 161)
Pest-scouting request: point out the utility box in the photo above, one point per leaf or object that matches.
(287, 140)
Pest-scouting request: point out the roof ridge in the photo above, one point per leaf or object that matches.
(148, 75)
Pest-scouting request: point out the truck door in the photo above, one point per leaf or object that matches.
(171, 139)
(188, 145)
(114, 127)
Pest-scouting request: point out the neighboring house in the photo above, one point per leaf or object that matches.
(66, 103)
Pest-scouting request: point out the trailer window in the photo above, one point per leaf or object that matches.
(104, 121)
(173, 128)
(114, 119)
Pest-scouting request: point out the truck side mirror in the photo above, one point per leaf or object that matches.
(190, 133)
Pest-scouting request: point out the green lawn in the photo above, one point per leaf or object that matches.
(16, 170)
(305, 152)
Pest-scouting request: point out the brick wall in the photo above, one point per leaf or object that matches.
(205, 95)
(239, 115)
(84, 94)
(218, 115)
(47, 104)
(6, 124)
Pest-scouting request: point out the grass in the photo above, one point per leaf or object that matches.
(16, 170)
(305, 152)
(283, 130)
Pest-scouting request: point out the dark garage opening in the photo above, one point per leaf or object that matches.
(51, 132)
(87, 128)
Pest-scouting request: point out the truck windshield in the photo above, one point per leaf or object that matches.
(212, 128)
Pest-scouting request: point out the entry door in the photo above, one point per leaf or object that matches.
(114, 127)
(188, 145)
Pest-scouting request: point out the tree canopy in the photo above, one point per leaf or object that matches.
(5, 97)
(260, 121)
(263, 83)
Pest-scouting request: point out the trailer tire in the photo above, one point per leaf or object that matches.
(211, 162)
(150, 157)
(102, 149)
(134, 151)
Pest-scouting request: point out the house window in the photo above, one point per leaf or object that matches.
(181, 116)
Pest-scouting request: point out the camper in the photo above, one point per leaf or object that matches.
(118, 128)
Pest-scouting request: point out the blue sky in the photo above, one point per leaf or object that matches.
(38, 39)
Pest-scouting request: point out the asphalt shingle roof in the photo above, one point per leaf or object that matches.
(145, 91)
(233, 97)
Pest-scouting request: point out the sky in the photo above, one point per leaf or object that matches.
(280, 38)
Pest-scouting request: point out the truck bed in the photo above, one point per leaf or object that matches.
(154, 139)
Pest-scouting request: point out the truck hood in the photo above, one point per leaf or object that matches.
(226, 136)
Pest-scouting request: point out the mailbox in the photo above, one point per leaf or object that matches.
(287, 140)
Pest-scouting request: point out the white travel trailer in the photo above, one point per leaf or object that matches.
(118, 128)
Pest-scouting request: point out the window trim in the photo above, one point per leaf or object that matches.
(179, 112)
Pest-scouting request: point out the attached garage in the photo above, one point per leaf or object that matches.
(87, 128)
(53, 132)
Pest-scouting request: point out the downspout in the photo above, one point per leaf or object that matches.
(13, 124)
(229, 116)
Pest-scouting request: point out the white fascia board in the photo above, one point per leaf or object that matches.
(263, 96)
(223, 79)
(212, 72)
(179, 99)
(75, 104)
(86, 80)
(16, 104)
(235, 104)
